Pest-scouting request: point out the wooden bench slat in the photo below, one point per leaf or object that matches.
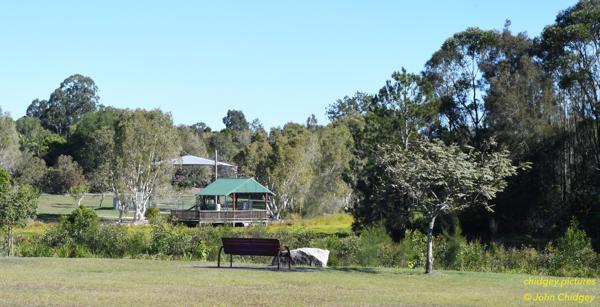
(253, 247)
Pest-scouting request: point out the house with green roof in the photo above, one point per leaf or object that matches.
(237, 201)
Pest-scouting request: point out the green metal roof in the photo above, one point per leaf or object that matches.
(227, 186)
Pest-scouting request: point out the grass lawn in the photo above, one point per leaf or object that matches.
(107, 282)
(51, 207)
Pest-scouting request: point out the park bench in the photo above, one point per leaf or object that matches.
(254, 247)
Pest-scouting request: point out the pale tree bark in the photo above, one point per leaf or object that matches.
(141, 202)
(8, 242)
(274, 210)
(120, 210)
(145, 144)
(429, 264)
(291, 178)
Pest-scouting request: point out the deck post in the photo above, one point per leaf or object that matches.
(198, 209)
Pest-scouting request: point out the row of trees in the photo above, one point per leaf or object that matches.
(70, 143)
(537, 97)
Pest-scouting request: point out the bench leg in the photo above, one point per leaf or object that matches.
(289, 256)
(231, 261)
(278, 260)
(219, 259)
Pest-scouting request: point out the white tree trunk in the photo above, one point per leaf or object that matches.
(274, 210)
(119, 206)
(140, 207)
(429, 264)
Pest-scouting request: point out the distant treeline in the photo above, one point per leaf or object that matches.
(537, 97)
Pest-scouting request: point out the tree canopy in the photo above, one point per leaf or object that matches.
(76, 96)
(440, 179)
(537, 97)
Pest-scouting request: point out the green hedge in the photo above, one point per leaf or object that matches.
(79, 235)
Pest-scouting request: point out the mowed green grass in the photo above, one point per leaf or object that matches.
(126, 282)
(53, 206)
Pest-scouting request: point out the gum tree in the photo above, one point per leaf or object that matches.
(9, 142)
(144, 143)
(441, 179)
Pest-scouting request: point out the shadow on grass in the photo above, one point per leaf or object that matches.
(104, 208)
(387, 271)
(265, 268)
(62, 206)
(304, 269)
(49, 217)
(356, 270)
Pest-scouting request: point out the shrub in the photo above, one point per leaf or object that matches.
(81, 225)
(112, 241)
(413, 249)
(81, 251)
(451, 249)
(64, 251)
(524, 260)
(78, 235)
(211, 236)
(33, 247)
(342, 251)
(295, 238)
(55, 236)
(138, 241)
(176, 242)
(573, 254)
(346, 253)
(474, 257)
(153, 215)
(371, 245)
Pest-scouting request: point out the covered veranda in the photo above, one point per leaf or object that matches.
(237, 201)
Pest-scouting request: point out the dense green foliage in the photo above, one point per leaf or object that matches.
(144, 144)
(79, 235)
(437, 179)
(539, 98)
(9, 142)
(75, 97)
(17, 204)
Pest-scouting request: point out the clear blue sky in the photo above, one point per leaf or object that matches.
(279, 61)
